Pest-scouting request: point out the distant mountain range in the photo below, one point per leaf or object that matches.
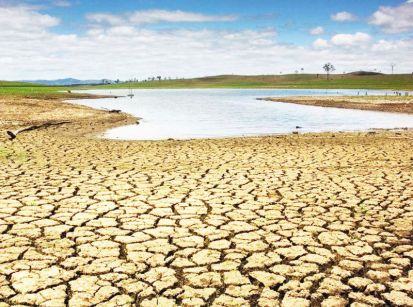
(68, 81)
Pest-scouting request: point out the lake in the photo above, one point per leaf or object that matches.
(216, 113)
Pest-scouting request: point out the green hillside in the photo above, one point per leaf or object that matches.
(298, 81)
(22, 88)
(313, 81)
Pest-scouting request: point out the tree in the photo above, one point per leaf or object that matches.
(159, 78)
(328, 67)
(392, 65)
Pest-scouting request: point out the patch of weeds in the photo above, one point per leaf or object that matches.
(21, 156)
(13, 155)
(5, 152)
(364, 208)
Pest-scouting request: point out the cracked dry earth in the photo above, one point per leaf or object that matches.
(311, 220)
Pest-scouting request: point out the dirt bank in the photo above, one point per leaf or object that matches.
(371, 103)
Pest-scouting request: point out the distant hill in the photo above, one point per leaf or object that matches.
(354, 80)
(299, 81)
(66, 82)
(14, 84)
(365, 73)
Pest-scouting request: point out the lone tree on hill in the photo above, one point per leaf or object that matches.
(328, 67)
(392, 65)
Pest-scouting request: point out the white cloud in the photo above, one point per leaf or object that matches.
(383, 45)
(125, 51)
(121, 31)
(343, 17)
(348, 40)
(24, 18)
(321, 43)
(317, 31)
(106, 18)
(394, 19)
(157, 16)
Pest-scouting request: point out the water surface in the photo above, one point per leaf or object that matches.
(213, 113)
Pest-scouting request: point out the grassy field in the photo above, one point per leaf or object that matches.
(389, 82)
(28, 89)
(311, 81)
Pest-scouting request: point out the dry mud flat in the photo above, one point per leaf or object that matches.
(303, 220)
(398, 104)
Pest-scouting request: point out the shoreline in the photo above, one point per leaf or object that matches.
(392, 104)
(90, 122)
(19, 112)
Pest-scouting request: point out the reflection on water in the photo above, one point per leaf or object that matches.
(208, 113)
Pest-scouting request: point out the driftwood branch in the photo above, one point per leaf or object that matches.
(12, 135)
(112, 110)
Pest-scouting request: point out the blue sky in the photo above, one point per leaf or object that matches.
(291, 18)
(183, 37)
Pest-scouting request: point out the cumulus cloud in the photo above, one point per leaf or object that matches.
(321, 43)
(126, 51)
(343, 17)
(106, 18)
(317, 31)
(24, 18)
(157, 16)
(348, 40)
(394, 19)
(385, 46)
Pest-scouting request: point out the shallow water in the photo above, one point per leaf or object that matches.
(212, 113)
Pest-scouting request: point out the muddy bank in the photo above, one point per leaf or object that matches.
(18, 112)
(369, 103)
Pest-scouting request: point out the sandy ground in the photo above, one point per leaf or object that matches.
(301, 220)
(399, 104)
(17, 113)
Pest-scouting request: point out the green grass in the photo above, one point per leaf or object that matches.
(35, 90)
(20, 88)
(298, 81)
(13, 155)
(4, 152)
(311, 81)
